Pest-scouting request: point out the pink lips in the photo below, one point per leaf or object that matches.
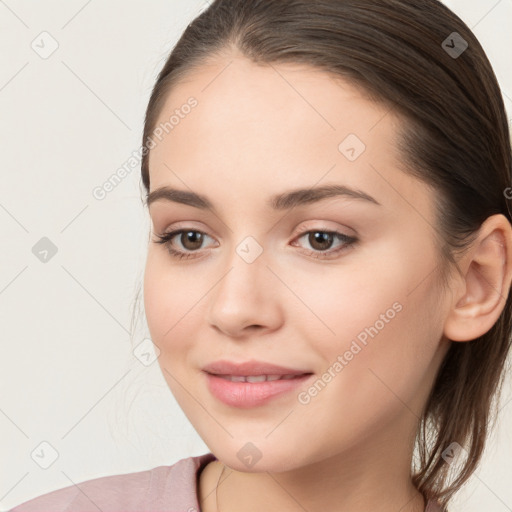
(250, 368)
(227, 381)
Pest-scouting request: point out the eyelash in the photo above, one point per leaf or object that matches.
(166, 239)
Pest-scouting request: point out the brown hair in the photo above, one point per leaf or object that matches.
(456, 139)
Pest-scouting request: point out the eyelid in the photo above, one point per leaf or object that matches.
(321, 225)
(311, 225)
(170, 234)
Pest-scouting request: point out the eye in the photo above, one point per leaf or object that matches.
(191, 240)
(321, 241)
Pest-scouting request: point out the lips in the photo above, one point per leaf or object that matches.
(252, 368)
(245, 394)
(256, 378)
(252, 383)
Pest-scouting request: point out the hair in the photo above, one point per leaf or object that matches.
(455, 138)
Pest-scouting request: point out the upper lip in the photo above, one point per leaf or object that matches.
(247, 368)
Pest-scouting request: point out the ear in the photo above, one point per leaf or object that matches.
(482, 292)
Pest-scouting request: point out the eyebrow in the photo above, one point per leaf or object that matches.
(283, 201)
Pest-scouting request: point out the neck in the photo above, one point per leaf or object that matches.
(276, 491)
(369, 477)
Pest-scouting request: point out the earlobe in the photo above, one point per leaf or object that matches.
(487, 271)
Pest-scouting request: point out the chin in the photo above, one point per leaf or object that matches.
(252, 457)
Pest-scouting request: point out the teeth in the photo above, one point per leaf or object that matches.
(256, 378)
(237, 378)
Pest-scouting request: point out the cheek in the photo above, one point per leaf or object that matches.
(166, 306)
(376, 328)
(174, 301)
(155, 300)
(375, 373)
(164, 302)
(388, 293)
(168, 294)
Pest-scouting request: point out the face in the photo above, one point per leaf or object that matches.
(337, 282)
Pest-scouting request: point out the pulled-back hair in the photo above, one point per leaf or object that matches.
(455, 139)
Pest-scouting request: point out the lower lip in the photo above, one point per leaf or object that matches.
(251, 394)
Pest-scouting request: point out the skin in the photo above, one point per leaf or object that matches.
(258, 131)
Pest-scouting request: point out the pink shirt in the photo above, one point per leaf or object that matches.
(164, 488)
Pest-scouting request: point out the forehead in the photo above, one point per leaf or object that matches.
(234, 93)
(262, 128)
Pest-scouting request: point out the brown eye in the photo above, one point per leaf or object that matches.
(326, 244)
(183, 243)
(191, 240)
(320, 240)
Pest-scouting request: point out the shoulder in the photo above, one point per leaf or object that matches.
(162, 488)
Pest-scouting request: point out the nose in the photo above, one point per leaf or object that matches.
(246, 299)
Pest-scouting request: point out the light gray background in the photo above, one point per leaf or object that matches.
(68, 376)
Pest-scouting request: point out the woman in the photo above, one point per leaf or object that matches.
(328, 273)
